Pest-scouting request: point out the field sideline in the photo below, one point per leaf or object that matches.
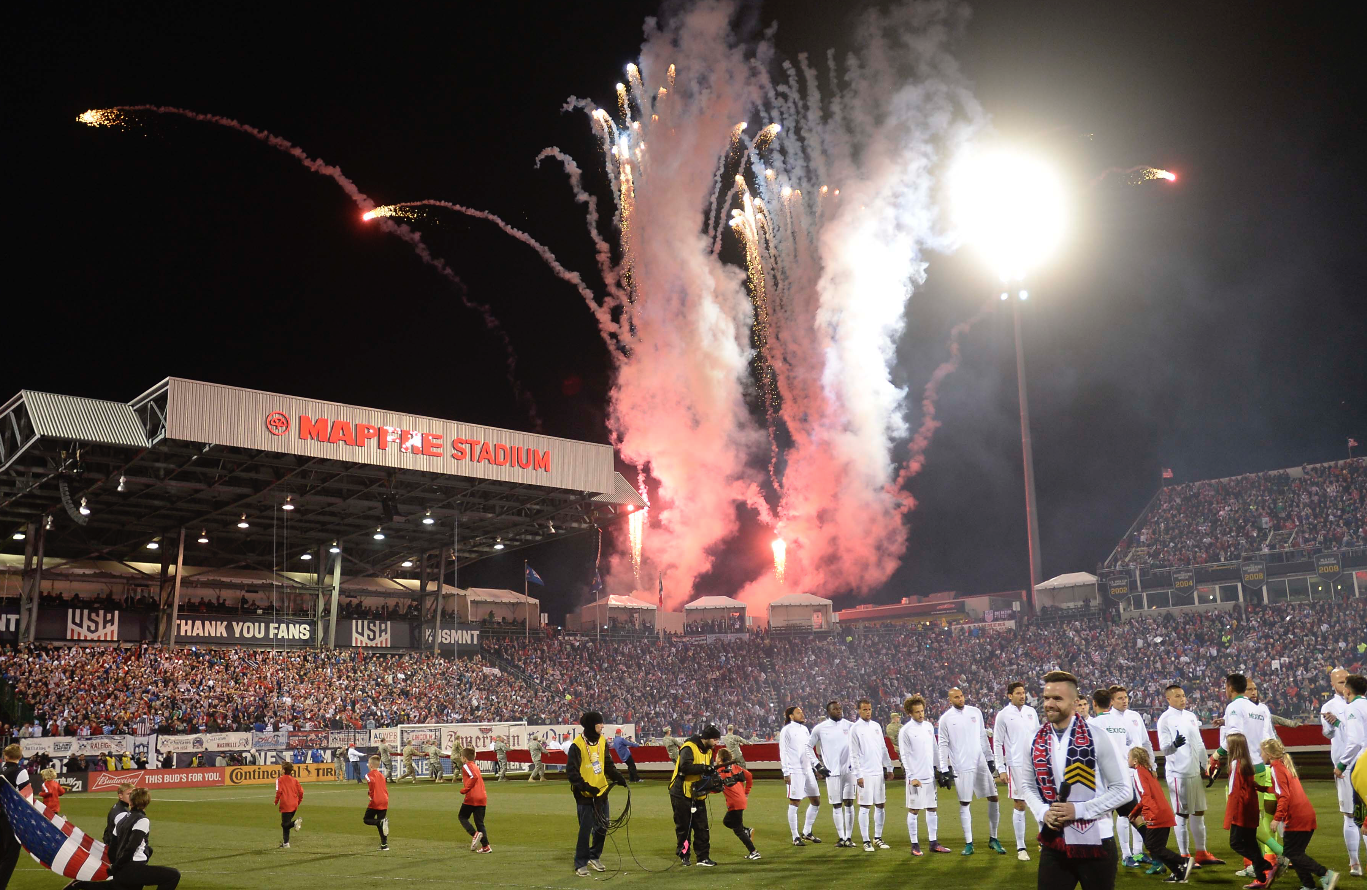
(228, 837)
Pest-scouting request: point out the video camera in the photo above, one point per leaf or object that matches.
(713, 781)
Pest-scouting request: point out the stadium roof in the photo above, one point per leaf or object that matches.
(1072, 579)
(800, 599)
(301, 474)
(715, 602)
(616, 601)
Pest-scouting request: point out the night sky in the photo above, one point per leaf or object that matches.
(1214, 325)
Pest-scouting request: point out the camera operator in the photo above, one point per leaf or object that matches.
(688, 788)
(590, 771)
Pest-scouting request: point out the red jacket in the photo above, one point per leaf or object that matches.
(51, 795)
(1153, 802)
(379, 791)
(1293, 808)
(1241, 807)
(737, 794)
(288, 793)
(473, 786)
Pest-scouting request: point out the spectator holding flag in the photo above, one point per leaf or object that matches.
(16, 777)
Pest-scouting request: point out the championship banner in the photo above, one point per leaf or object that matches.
(1184, 580)
(157, 778)
(228, 741)
(270, 741)
(1329, 566)
(1253, 574)
(245, 631)
(310, 738)
(267, 774)
(1118, 585)
(180, 744)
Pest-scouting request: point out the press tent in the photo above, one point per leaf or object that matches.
(801, 610)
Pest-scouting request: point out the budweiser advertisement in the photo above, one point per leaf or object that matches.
(156, 778)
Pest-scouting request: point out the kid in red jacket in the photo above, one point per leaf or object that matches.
(377, 813)
(288, 795)
(1154, 817)
(1241, 809)
(52, 791)
(1295, 815)
(736, 796)
(475, 802)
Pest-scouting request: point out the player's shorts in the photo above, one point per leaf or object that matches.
(1188, 794)
(875, 790)
(840, 788)
(1015, 782)
(975, 783)
(922, 797)
(1344, 786)
(802, 784)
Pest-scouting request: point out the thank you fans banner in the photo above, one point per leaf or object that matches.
(1253, 573)
(244, 630)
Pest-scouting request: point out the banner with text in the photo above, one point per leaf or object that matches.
(157, 778)
(266, 775)
(65, 746)
(1253, 573)
(245, 631)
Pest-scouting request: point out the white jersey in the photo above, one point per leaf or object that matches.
(1187, 760)
(794, 754)
(1112, 725)
(1135, 730)
(1254, 721)
(1012, 734)
(1345, 740)
(868, 750)
(832, 738)
(963, 739)
(917, 748)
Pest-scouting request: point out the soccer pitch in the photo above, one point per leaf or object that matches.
(229, 837)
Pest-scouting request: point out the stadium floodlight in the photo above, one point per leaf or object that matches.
(306, 556)
(154, 544)
(19, 536)
(243, 523)
(289, 503)
(204, 536)
(85, 508)
(498, 543)
(379, 533)
(551, 525)
(334, 548)
(1011, 207)
(123, 481)
(47, 523)
(428, 520)
(406, 564)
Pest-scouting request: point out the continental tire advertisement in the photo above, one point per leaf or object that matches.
(267, 774)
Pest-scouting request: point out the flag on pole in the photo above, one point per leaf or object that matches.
(49, 838)
(533, 577)
(662, 593)
(1352, 443)
(1167, 473)
(596, 588)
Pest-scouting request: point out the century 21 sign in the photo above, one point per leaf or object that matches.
(368, 435)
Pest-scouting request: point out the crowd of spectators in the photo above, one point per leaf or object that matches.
(1323, 508)
(732, 624)
(682, 683)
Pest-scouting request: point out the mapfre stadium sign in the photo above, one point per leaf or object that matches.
(245, 418)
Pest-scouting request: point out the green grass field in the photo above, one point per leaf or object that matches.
(228, 837)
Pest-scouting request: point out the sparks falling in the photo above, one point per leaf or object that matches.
(637, 528)
(102, 117)
(780, 559)
(1137, 175)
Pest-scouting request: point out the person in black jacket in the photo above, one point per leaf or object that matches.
(690, 807)
(591, 772)
(119, 808)
(18, 776)
(128, 858)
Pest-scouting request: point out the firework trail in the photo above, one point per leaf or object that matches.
(1136, 175)
(108, 117)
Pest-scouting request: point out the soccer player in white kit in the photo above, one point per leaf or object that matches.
(870, 765)
(1012, 733)
(1254, 722)
(1343, 720)
(1182, 764)
(830, 742)
(796, 759)
(964, 752)
(918, 749)
(1112, 726)
(1137, 736)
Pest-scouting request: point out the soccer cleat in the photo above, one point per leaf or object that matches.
(1355, 871)
(582, 871)
(1329, 880)
(995, 846)
(753, 855)
(284, 846)
(1205, 857)
(1156, 869)
(968, 849)
(1257, 885)
(937, 847)
(707, 863)
(1174, 879)
(485, 849)
(798, 842)
(384, 848)
(476, 841)
(1145, 858)
(878, 842)
(298, 824)
(1022, 856)
(916, 850)
(811, 839)
(1130, 862)
(1245, 872)
(597, 866)
(868, 846)
(1281, 863)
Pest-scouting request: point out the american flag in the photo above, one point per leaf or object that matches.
(1167, 473)
(52, 840)
(1352, 443)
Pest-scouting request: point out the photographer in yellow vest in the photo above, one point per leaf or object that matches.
(688, 795)
(590, 769)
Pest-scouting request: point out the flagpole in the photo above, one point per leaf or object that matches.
(526, 606)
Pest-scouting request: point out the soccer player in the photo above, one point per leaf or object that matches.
(830, 743)
(377, 813)
(1137, 736)
(1295, 816)
(870, 764)
(736, 794)
(796, 759)
(1113, 727)
(964, 752)
(1339, 723)
(917, 749)
(1254, 722)
(1012, 731)
(288, 795)
(1179, 740)
(476, 800)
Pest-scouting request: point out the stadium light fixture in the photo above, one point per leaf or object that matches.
(154, 544)
(243, 523)
(306, 556)
(204, 536)
(498, 543)
(47, 523)
(85, 508)
(428, 520)
(289, 503)
(19, 536)
(406, 564)
(334, 548)
(379, 533)
(551, 525)
(1011, 206)
(123, 482)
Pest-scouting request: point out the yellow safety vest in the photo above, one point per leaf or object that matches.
(592, 760)
(699, 757)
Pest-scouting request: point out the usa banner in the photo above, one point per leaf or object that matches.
(54, 842)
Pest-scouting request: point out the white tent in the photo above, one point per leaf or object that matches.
(716, 608)
(479, 603)
(1062, 590)
(626, 609)
(801, 610)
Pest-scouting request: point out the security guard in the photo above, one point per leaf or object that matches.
(690, 808)
(590, 770)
